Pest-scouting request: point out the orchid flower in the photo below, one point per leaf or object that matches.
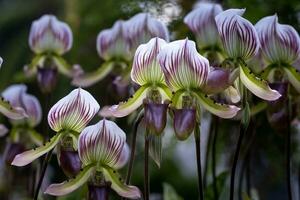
(202, 23)
(49, 39)
(102, 149)
(147, 73)
(280, 46)
(118, 44)
(68, 117)
(186, 73)
(241, 42)
(114, 47)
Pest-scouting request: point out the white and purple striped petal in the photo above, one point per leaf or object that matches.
(48, 34)
(142, 27)
(183, 66)
(279, 42)
(238, 35)
(103, 143)
(73, 112)
(146, 68)
(18, 98)
(202, 23)
(113, 44)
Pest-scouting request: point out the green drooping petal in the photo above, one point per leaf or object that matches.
(293, 76)
(155, 148)
(27, 157)
(31, 69)
(176, 100)
(62, 66)
(117, 185)
(88, 79)
(10, 111)
(257, 86)
(69, 186)
(221, 110)
(126, 108)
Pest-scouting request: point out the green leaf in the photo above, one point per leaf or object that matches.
(169, 193)
(69, 186)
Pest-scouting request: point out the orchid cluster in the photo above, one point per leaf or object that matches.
(177, 80)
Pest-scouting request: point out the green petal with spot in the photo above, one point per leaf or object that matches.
(125, 108)
(165, 92)
(62, 66)
(69, 186)
(293, 76)
(221, 110)
(117, 185)
(257, 86)
(88, 79)
(11, 112)
(29, 156)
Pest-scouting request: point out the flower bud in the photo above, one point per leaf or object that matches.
(47, 79)
(238, 35)
(202, 23)
(69, 162)
(184, 122)
(49, 35)
(280, 43)
(155, 116)
(113, 44)
(142, 27)
(18, 98)
(73, 112)
(182, 65)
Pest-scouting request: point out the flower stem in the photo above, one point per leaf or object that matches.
(198, 155)
(215, 135)
(207, 153)
(43, 171)
(288, 151)
(146, 168)
(243, 128)
(133, 144)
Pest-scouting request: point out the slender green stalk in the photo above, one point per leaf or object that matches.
(214, 149)
(243, 128)
(288, 151)
(133, 145)
(44, 167)
(146, 168)
(207, 153)
(198, 155)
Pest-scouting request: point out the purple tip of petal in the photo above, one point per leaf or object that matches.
(22, 159)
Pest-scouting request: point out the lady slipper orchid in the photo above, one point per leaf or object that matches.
(202, 23)
(142, 27)
(49, 39)
(117, 45)
(18, 98)
(186, 73)
(280, 46)
(68, 117)
(102, 149)
(112, 44)
(147, 73)
(240, 41)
